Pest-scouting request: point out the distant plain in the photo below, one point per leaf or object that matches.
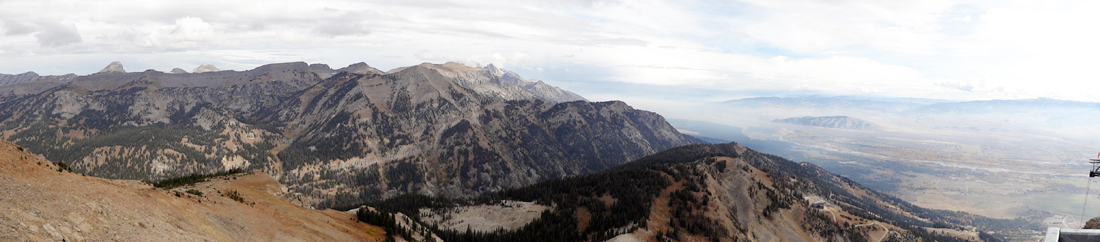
(1003, 159)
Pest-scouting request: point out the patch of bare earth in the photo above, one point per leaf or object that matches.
(508, 215)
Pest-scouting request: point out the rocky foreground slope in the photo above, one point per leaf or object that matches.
(41, 201)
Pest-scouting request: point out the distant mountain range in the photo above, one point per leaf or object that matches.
(910, 106)
(334, 136)
(1037, 116)
(834, 102)
(836, 122)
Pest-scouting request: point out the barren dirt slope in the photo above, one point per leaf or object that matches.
(39, 203)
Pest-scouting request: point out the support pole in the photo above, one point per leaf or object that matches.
(1087, 189)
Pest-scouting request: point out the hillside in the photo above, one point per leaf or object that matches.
(336, 137)
(43, 202)
(722, 192)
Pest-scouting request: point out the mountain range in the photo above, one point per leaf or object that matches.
(429, 148)
(333, 136)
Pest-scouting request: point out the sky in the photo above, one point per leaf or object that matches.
(650, 53)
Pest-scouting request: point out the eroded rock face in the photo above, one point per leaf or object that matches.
(334, 136)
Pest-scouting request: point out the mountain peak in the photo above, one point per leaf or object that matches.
(360, 68)
(494, 69)
(177, 71)
(113, 67)
(205, 68)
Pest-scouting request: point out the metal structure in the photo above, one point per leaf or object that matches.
(1094, 172)
(1055, 234)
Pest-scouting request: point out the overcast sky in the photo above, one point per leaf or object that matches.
(644, 52)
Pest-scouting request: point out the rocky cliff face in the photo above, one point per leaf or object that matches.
(836, 122)
(337, 137)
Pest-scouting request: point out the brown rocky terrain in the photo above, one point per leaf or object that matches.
(41, 203)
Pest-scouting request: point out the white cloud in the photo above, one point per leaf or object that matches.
(847, 47)
(192, 30)
(55, 34)
(15, 27)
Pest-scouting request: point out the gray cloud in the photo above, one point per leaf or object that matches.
(348, 23)
(333, 29)
(48, 33)
(12, 27)
(55, 34)
(750, 44)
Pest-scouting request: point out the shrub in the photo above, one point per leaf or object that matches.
(196, 192)
(235, 196)
(192, 179)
